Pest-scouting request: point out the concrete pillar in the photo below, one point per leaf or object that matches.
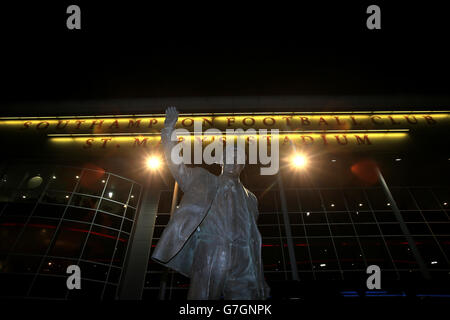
(135, 270)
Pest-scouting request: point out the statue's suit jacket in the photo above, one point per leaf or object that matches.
(177, 244)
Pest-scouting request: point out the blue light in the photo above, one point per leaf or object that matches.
(434, 295)
(386, 295)
(349, 292)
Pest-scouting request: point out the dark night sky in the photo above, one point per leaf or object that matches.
(129, 51)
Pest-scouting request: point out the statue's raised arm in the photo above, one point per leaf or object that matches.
(171, 118)
(181, 173)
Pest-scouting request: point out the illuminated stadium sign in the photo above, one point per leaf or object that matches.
(135, 132)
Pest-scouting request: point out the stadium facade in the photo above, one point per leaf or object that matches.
(76, 188)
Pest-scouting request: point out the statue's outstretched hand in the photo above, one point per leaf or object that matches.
(171, 117)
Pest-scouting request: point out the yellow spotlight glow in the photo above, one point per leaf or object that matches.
(153, 163)
(299, 161)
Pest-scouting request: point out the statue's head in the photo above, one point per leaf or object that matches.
(232, 168)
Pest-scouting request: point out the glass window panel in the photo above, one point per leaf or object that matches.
(100, 245)
(401, 252)
(403, 199)
(114, 275)
(440, 228)
(444, 242)
(390, 275)
(411, 275)
(56, 197)
(385, 217)
(390, 228)
(92, 182)
(432, 216)
(377, 198)
(349, 253)
(10, 228)
(353, 276)
(338, 217)
(425, 199)
(108, 220)
(355, 199)
(417, 228)
(443, 196)
(367, 229)
(327, 276)
(134, 197)
(121, 248)
(118, 189)
(412, 216)
(127, 225)
(314, 217)
(28, 195)
(93, 271)
(333, 200)
(376, 252)
(272, 258)
(362, 216)
(130, 212)
(323, 254)
(49, 210)
(317, 230)
(342, 230)
(54, 266)
(295, 218)
(268, 218)
(297, 230)
(79, 214)
(84, 201)
(430, 252)
(70, 239)
(20, 264)
(19, 209)
(112, 207)
(302, 255)
(269, 231)
(37, 236)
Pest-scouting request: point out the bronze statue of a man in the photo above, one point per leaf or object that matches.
(212, 237)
